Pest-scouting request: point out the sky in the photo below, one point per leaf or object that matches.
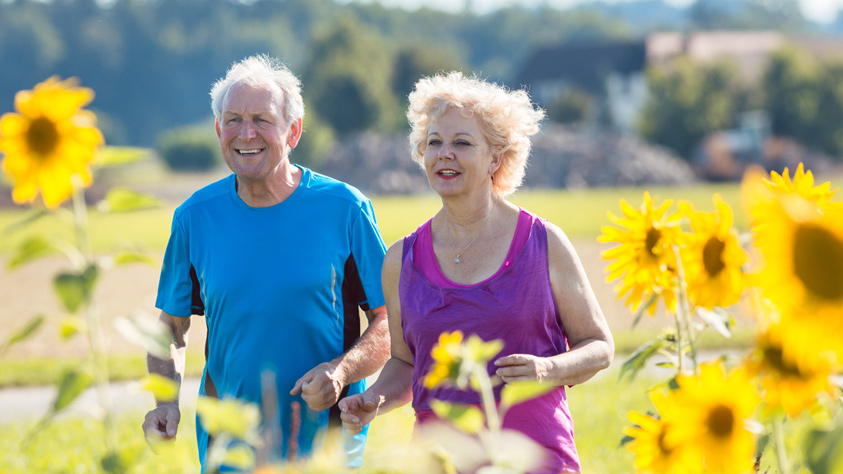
(821, 11)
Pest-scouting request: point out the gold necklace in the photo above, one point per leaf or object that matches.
(451, 237)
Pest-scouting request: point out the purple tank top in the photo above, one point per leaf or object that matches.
(516, 305)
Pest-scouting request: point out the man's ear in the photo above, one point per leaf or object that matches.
(295, 133)
(217, 127)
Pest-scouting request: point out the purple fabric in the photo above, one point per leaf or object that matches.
(516, 305)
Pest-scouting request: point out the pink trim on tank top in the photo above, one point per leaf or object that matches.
(425, 259)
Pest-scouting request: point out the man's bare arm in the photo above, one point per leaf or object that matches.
(163, 421)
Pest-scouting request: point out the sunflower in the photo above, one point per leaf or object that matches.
(802, 248)
(712, 257)
(802, 185)
(49, 140)
(657, 443)
(714, 408)
(644, 257)
(447, 356)
(786, 384)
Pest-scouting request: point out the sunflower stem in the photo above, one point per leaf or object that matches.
(94, 328)
(684, 308)
(680, 351)
(489, 406)
(781, 450)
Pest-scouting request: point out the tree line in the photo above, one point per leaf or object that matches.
(152, 62)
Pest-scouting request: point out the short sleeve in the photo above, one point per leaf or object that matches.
(368, 251)
(178, 285)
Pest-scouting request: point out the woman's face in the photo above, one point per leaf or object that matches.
(458, 158)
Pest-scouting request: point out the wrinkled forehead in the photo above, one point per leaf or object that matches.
(261, 96)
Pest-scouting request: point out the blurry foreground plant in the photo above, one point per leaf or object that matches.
(48, 147)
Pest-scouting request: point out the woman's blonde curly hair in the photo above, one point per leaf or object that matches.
(507, 118)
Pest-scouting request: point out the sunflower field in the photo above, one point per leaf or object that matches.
(719, 416)
(716, 413)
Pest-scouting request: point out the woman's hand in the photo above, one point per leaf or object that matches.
(358, 411)
(520, 367)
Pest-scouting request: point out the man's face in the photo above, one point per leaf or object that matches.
(252, 131)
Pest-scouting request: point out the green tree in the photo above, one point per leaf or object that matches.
(347, 78)
(414, 61)
(792, 94)
(572, 106)
(688, 101)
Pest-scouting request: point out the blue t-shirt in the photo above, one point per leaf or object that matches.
(279, 287)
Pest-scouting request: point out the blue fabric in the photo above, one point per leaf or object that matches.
(279, 286)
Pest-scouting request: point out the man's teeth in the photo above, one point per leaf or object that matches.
(448, 173)
(249, 152)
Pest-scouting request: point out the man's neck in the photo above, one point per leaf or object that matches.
(271, 191)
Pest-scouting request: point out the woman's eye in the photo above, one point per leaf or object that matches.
(433, 142)
(463, 143)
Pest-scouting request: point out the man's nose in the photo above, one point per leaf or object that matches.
(247, 130)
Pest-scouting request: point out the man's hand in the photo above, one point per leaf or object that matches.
(320, 387)
(162, 422)
(358, 411)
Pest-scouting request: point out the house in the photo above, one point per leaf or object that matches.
(615, 71)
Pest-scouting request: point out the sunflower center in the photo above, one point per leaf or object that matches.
(818, 261)
(653, 236)
(721, 421)
(774, 357)
(713, 256)
(42, 137)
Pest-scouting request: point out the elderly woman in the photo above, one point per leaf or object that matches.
(485, 266)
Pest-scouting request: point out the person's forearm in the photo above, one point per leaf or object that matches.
(394, 386)
(581, 362)
(172, 367)
(368, 354)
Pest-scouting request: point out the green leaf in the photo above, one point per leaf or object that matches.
(162, 388)
(519, 392)
(147, 332)
(71, 385)
(482, 352)
(719, 320)
(120, 462)
(643, 309)
(23, 333)
(74, 289)
(133, 256)
(824, 450)
(638, 360)
(71, 325)
(230, 416)
(125, 200)
(468, 418)
(30, 249)
(24, 221)
(114, 155)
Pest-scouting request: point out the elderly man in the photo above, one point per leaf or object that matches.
(278, 259)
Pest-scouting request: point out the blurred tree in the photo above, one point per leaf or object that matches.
(687, 101)
(414, 61)
(347, 79)
(573, 106)
(792, 93)
(190, 148)
(316, 141)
